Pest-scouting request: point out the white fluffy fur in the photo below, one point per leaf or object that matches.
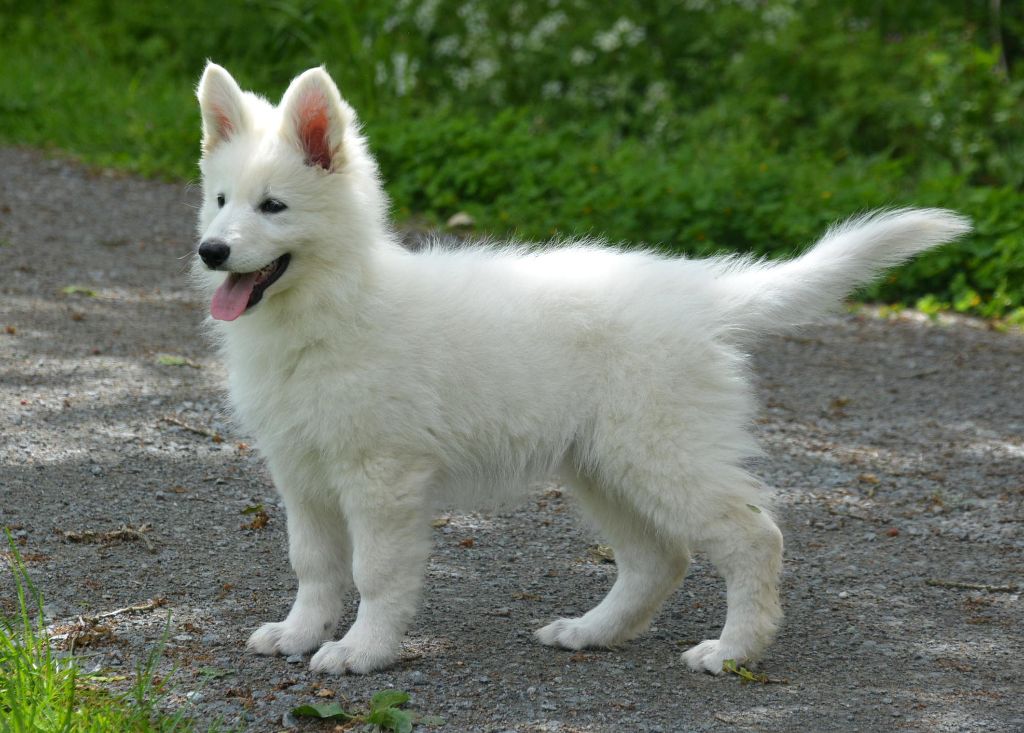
(378, 382)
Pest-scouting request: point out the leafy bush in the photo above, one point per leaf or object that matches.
(697, 126)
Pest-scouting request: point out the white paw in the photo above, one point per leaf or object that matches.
(572, 633)
(285, 638)
(339, 657)
(709, 655)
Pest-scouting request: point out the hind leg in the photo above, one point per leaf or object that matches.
(649, 569)
(746, 548)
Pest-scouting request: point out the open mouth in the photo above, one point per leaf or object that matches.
(240, 291)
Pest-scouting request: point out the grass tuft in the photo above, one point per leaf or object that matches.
(42, 690)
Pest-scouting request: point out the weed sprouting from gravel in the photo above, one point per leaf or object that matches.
(41, 690)
(385, 713)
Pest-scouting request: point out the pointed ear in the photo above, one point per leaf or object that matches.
(223, 107)
(315, 117)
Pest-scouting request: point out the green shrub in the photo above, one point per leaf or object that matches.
(694, 126)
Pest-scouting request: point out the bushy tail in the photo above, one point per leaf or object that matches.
(765, 297)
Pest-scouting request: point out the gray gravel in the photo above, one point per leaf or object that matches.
(896, 446)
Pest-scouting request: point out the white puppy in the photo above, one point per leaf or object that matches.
(379, 382)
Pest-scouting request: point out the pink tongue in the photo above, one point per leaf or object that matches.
(232, 296)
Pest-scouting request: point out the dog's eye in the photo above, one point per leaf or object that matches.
(220, 200)
(272, 206)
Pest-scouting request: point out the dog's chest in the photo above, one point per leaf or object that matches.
(294, 396)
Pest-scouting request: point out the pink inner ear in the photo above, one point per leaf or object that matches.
(313, 126)
(220, 127)
(224, 126)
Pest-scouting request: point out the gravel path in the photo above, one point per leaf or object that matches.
(896, 446)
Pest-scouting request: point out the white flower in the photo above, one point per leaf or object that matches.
(778, 15)
(624, 31)
(401, 63)
(551, 89)
(630, 33)
(581, 56)
(426, 15)
(447, 46)
(461, 79)
(657, 93)
(545, 28)
(607, 41)
(484, 69)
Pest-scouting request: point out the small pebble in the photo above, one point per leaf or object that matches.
(293, 659)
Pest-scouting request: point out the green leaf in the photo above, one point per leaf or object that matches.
(756, 510)
(170, 360)
(385, 713)
(730, 666)
(78, 290)
(214, 673)
(326, 711)
(253, 509)
(390, 718)
(174, 360)
(388, 698)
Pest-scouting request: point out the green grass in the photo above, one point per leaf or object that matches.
(43, 691)
(694, 127)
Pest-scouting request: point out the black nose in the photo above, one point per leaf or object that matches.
(214, 252)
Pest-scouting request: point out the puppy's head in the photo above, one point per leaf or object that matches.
(274, 189)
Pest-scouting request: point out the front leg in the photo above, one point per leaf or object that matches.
(390, 544)
(320, 552)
